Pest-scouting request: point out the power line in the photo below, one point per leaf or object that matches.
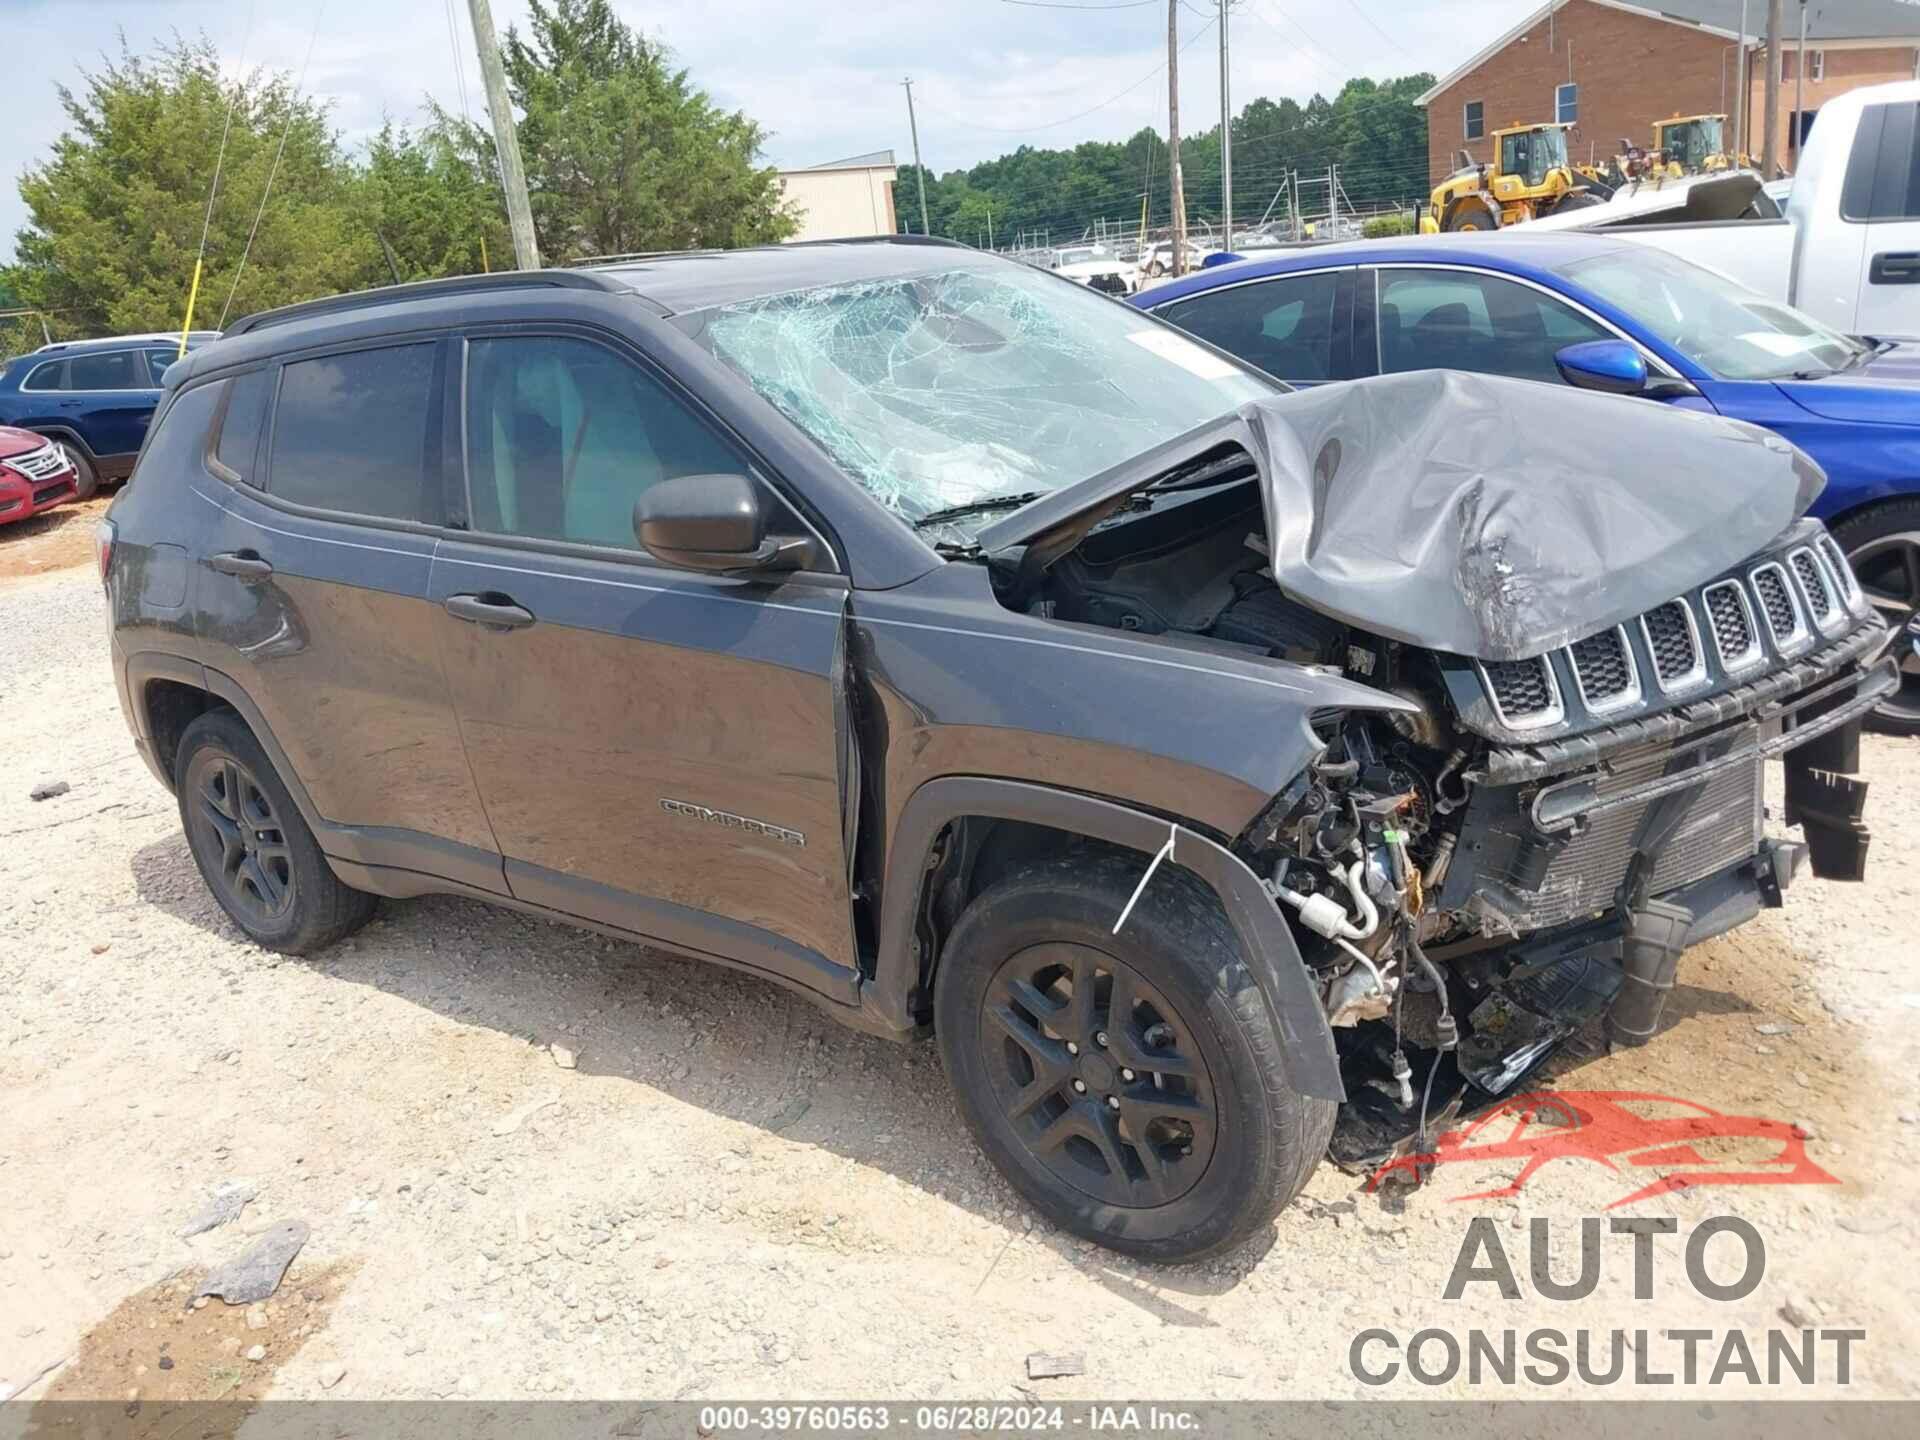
(1060, 5)
(1077, 115)
(1357, 9)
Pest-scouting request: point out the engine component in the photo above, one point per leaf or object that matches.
(1262, 615)
(1656, 934)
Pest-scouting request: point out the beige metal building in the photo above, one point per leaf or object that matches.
(843, 198)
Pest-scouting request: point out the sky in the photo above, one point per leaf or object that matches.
(821, 76)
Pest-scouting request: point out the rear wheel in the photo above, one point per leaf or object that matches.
(1130, 1086)
(253, 847)
(86, 479)
(1883, 546)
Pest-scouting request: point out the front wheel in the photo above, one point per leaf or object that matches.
(1883, 546)
(1130, 1086)
(86, 479)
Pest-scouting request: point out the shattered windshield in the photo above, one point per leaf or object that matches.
(951, 389)
(1734, 332)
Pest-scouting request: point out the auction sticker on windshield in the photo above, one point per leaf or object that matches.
(1184, 353)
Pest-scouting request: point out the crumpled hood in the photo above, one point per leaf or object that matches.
(1502, 518)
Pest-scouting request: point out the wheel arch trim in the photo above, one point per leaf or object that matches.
(1307, 1053)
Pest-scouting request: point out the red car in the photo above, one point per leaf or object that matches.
(34, 475)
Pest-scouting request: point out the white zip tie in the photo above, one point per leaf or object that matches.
(1164, 853)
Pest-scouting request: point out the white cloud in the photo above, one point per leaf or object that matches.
(822, 77)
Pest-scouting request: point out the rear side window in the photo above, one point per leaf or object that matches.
(51, 376)
(111, 370)
(237, 452)
(1284, 326)
(1883, 173)
(351, 432)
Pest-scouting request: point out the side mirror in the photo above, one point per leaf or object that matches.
(1612, 366)
(704, 522)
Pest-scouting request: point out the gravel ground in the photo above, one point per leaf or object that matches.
(726, 1194)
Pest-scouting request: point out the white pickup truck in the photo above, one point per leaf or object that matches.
(1847, 251)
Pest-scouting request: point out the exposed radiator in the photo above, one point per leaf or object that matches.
(1539, 883)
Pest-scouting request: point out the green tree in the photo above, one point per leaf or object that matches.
(433, 205)
(115, 214)
(622, 152)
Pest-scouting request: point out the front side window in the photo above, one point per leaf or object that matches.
(1531, 154)
(110, 370)
(351, 432)
(157, 363)
(1285, 326)
(563, 435)
(1731, 331)
(1458, 320)
(1475, 119)
(1566, 104)
(963, 385)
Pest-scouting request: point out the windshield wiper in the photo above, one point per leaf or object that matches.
(975, 507)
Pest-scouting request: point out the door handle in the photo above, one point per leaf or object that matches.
(492, 610)
(243, 563)
(1895, 267)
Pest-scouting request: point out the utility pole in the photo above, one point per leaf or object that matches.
(1741, 80)
(1178, 263)
(1771, 92)
(1799, 79)
(506, 140)
(1226, 140)
(919, 171)
(989, 227)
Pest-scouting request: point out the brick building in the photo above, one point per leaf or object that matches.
(1612, 68)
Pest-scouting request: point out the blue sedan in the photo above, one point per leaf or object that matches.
(1606, 314)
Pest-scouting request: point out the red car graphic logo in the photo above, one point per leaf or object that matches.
(1693, 1144)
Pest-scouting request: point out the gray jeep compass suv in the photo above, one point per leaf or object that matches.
(1220, 775)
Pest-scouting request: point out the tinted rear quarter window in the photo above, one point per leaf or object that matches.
(1285, 325)
(1883, 172)
(350, 432)
(237, 452)
(51, 376)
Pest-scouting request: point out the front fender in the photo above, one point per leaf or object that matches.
(890, 996)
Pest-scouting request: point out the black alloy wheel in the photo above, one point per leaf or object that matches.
(1098, 1075)
(1883, 547)
(238, 822)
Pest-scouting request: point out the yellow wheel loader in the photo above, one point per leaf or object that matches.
(1528, 177)
(1694, 145)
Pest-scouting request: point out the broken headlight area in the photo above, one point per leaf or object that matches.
(1466, 905)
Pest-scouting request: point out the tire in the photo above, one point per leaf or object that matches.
(1472, 217)
(1175, 1166)
(268, 874)
(1883, 546)
(86, 478)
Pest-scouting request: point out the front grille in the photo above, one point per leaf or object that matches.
(1770, 583)
(1838, 567)
(1522, 689)
(41, 464)
(1676, 659)
(1727, 614)
(1813, 585)
(1604, 667)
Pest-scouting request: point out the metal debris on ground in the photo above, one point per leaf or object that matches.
(257, 1274)
(223, 1206)
(1052, 1367)
(47, 789)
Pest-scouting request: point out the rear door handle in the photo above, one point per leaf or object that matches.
(1895, 267)
(244, 563)
(495, 611)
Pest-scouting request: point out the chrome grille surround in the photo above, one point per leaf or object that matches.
(1673, 641)
(1525, 693)
(41, 464)
(1772, 577)
(1736, 629)
(1841, 572)
(1605, 672)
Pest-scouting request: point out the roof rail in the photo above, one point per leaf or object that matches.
(427, 290)
(146, 337)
